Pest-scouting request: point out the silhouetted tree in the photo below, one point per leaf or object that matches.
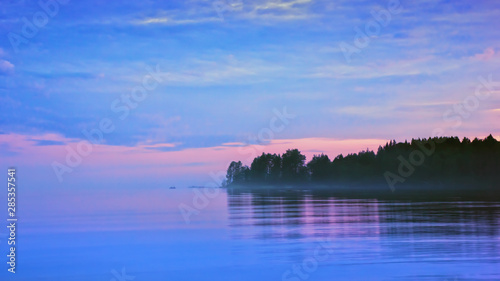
(266, 167)
(319, 167)
(293, 165)
(236, 173)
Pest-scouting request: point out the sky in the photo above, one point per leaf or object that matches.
(170, 92)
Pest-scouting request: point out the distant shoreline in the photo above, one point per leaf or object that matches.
(435, 165)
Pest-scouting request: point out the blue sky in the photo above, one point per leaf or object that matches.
(227, 65)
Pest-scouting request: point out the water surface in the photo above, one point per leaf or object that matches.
(116, 235)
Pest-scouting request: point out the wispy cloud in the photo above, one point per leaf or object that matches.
(233, 144)
(486, 55)
(160, 146)
(47, 142)
(219, 70)
(278, 4)
(278, 10)
(386, 68)
(172, 21)
(255, 11)
(6, 67)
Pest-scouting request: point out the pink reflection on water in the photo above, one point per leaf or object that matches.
(292, 216)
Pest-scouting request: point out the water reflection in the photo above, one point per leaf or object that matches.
(368, 231)
(301, 214)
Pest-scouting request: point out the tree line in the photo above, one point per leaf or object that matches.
(432, 160)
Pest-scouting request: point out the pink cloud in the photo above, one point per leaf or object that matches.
(108, 161)
(6, 67)
(487, 54)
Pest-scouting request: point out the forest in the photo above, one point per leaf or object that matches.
(434, 160)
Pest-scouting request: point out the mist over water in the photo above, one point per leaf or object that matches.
(288, 235)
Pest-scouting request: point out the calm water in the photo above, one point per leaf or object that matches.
(118, 235)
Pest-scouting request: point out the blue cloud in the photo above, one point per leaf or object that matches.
(46, 142)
